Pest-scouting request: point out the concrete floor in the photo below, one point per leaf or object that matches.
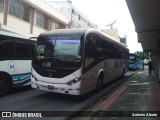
(138, 98)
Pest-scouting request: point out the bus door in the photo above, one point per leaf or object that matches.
(104, 54)
(90, 62)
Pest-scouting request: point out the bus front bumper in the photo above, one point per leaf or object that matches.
(58, 88)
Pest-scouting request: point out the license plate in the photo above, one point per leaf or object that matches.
(50, 87)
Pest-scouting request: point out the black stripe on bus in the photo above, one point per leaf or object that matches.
(94, 63)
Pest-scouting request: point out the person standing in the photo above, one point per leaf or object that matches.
(150, 67)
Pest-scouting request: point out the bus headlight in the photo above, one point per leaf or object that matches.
(73, 81)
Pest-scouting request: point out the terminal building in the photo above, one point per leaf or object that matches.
(30, 17)
(76, 18)
(146, 19)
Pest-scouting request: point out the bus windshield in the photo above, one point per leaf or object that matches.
(63, 48)
(67, 50)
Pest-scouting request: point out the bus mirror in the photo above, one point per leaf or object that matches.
(78, 58)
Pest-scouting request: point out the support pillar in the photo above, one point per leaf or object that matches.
(6, 11)
(32, 20)
(158, 54)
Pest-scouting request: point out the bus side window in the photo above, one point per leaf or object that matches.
(90, 48)
(23, 50)
(6, 48)
(102, 45)
(33, 47)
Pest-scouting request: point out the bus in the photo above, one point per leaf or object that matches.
(15, 61)
(77, 61)
(135, 61)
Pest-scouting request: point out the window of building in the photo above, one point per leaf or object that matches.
(72, 17)
(61, 26)
(1, 5)
(41, 20)
(54, 25)
(26, 13)
(72, 11)
(46, 22)
(19, 9)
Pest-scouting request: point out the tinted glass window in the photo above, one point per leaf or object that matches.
(33, 46)
(6, 48)
(65, 48)
(91, 46)
(106, 48)
(104, 44)
(102, 48)
(23, 50)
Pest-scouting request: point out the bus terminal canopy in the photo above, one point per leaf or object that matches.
(146, 18)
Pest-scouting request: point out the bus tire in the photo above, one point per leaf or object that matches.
(4, 85)
(99, 84)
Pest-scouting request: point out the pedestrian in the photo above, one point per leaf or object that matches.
(150, 67)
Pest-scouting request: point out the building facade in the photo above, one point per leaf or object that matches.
(146, 19)
(30, 17)
(77, 19)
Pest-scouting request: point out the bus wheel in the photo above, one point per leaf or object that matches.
(4, 86)
(99, 84)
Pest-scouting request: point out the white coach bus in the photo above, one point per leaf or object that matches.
(15, 61)
(76, 61)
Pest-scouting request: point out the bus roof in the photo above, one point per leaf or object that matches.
(80, 31)
(5, 33)
(111, 39)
